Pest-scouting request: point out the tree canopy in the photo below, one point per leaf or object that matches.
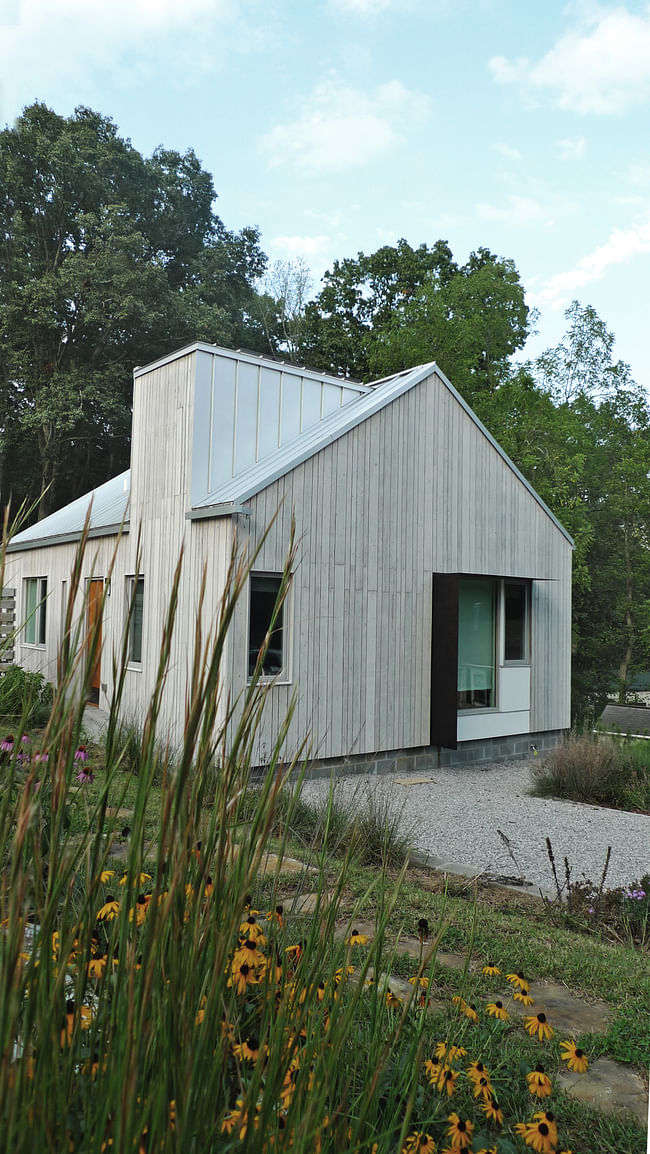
(107, 259)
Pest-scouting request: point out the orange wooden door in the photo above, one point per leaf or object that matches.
(95, 594)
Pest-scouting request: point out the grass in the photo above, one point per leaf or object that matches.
(599, 770)
(146, 1006)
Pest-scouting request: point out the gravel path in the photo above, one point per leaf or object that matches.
(462, 817)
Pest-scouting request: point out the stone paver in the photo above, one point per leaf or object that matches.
(290, 865)
(609, 1086)
(566, 1013)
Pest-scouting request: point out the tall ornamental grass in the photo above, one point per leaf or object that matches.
(147, 1005)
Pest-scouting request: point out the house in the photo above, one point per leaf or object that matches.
(428, 620)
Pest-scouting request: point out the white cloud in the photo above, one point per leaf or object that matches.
(304, 246)
(62, 49)
(602, 69)
(508, 151)
(572, 148)
(621, 245)
(518, 211)
(342, 128)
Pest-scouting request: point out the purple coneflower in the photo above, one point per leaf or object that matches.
(7, 744)
(81, 754)
(85, 776)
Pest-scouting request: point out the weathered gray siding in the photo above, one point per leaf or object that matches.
(413, 490)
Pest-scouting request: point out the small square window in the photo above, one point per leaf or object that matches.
(266, 617)
(35, 610)
(135, 604)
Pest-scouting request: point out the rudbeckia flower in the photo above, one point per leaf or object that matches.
(421, 981)
(541, 1133)
(482, 1087)
(96, 966)
(460, 1132)
(241, 978)
(491, 971)
(109, 910)
(497, 1010)
(476, 1070)
(419, 1143)
(106, 875)
(357, 939)
(519, 981)
(447, 1081)
(343, 972)
(249, 1049)
(470, 1012)
(539, 1082)
(523, 997)
(236, 1119)
(141, 879)
(492, 1110)
(432, 1070)
(392, 1001)
(537, 1024)
(575, 1059)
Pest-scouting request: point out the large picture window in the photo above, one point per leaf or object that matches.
(35, 610)
(264, 590)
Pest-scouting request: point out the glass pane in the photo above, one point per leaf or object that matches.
(264, 593)
(476, 644)
(135, 644)
(515, 623)
(31, 592)
(40, 616)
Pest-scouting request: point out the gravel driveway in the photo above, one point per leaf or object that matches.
(483, 820)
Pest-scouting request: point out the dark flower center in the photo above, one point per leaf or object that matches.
(543, 1129)
(244, 970)
(462, 1126)
(539, 1069)
(541, 1017)
(499, 1005)
(579, 1053)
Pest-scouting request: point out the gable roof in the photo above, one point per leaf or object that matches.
(232, 494)
(109, 508)
(110, 500)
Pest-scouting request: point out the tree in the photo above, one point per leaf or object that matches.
(359, 298)
(401, 306)
(281, 304)
(582, 362)
(107, 260)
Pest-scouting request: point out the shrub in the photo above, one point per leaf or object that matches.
(25, 696)
(584, 768)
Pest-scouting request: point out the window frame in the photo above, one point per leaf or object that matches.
(283, 675)
(132, 582)
(37, 618)
(500, 661)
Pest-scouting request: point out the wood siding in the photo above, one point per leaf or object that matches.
(414, 490)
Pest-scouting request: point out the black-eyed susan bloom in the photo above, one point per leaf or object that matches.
(106, 875)
(492, 1110)
(96, 966)
(540, 1134)
(519, 981)
(539, 1082)
(497, 1010)
(459, 1131)
(470, 1012)
(575, 1059)
(109, 910)
(357, 939)
(447, 1081)
(523, 997)
(537, 1024)
(241, 978)
(482, 1087)
(491, 971)
(476, 1070)
(432, 1070)
(419, 1142)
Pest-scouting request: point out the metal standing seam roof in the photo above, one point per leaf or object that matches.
(238, 489)
(110, 500)
(109, 507)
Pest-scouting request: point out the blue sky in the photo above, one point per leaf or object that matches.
(340, 125)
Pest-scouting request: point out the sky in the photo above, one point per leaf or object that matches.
(337, 126)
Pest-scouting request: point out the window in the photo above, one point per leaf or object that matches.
(264, 590)
(515, 616)
(476, 648)
(135, 604)
(492, 633)
(35, 610)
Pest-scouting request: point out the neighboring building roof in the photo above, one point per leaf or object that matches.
(238, 489)
(632, 719)
(109, 507)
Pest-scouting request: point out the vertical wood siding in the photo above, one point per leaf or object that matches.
(415, 489)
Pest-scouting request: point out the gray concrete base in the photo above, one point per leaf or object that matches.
(425, 758)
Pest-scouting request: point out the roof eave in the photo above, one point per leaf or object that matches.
(67, 538)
